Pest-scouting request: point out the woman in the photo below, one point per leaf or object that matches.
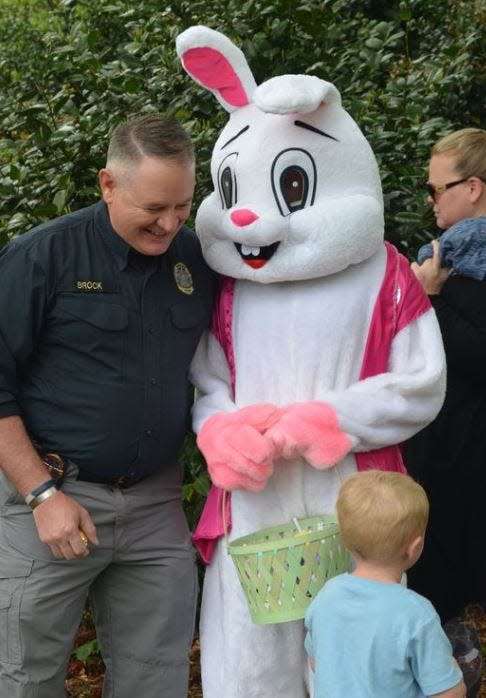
(449, 456)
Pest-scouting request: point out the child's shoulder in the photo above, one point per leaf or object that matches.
(419, 602)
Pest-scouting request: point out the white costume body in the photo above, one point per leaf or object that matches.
(279, 360)
(296, 217)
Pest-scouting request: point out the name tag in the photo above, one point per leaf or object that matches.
(89, 285)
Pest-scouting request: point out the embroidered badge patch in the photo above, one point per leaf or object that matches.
(183, 278)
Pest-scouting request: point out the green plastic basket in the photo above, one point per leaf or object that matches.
(282, 568)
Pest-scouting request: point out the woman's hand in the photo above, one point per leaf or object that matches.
(430, 274)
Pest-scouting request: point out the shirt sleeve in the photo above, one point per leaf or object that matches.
(22, 308)
(433, 665)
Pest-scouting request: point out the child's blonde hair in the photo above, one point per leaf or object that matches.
(468, 146)
(380, 512)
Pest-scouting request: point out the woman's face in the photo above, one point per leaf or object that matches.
(453, 204)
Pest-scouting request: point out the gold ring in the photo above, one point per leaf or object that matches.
(84, 539)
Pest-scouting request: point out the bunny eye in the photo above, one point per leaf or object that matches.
(227, 181)
(293, 180)
(294, 185)
(227, 186)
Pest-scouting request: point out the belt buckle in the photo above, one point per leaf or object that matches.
(55, 465)
(123, 481)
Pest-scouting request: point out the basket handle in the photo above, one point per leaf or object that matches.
(223, 500)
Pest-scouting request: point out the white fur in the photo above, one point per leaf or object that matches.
(348, 196)
(287, 349)
(299, 326)
(298, 94)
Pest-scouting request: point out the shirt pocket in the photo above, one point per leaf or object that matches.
(91, 330)
(187, 316)
(188, 321)
(93, 310)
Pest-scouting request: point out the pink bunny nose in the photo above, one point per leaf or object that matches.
(243, 217)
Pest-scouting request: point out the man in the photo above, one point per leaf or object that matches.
(100, 314)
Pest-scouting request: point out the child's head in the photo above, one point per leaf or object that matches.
(457, 176)
(380, 514)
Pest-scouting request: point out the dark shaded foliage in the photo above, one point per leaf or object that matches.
(71, 69)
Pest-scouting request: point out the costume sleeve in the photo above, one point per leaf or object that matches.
(210, 374)
(433, 665)
(461, 312)
(392, 406)
(22, 306)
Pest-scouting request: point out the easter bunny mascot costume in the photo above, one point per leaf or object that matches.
(324, 352)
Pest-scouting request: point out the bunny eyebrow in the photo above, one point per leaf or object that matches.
(245, 128)
(302, 124)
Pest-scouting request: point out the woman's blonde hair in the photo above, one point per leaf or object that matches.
(380, 513)
(468, 146)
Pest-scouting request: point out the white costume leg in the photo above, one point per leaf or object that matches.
(240, 659)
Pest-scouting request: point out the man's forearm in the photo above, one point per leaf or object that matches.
(18, 458)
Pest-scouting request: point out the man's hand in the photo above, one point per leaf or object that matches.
(64, 525)
(430, 274)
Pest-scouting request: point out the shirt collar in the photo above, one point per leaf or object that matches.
(115, 242)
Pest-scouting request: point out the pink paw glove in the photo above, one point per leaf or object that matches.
(236, 448)
(310, 430)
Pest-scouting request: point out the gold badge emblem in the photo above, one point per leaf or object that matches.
(183, 278)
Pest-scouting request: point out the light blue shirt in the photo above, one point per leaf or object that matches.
(375, 640)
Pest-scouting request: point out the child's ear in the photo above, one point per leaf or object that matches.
(414, 550)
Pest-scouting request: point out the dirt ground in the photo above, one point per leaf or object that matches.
(85, 679)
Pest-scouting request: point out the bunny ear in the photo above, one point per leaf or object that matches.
(214, 62)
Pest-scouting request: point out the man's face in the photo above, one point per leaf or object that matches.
(149, 204)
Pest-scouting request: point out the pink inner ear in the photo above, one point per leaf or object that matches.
(215, 72)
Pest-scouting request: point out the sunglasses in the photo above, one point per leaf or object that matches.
(433, 191)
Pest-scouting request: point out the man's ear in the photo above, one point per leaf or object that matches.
(107, 185)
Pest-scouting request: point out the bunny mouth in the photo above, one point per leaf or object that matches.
(256, 257)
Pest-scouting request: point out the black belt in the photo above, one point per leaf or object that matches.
(120, 481)
(56, 466)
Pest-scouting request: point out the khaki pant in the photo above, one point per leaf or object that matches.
(141, 581)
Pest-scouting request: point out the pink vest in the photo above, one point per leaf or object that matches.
(400, 301)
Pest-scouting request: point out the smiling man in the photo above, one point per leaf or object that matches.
(100, 314)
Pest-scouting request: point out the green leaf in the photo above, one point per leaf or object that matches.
(45, 210)
(202, 484)
(405, 12)
(88, 650)
(59, 200)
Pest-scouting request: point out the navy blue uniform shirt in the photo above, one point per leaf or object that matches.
(96, 342)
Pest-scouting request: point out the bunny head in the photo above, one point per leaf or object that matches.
(297, 193)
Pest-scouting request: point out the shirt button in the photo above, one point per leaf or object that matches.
(148, 432)
(153, 381)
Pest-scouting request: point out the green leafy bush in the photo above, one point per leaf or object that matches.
(70, 70)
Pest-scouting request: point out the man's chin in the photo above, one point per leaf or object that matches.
(152, 245)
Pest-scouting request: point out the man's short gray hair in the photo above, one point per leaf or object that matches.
(155, 135)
